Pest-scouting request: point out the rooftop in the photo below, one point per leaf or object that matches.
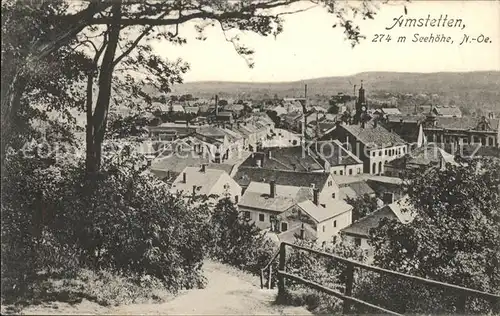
(321, 214)
(245, 175)
(204, 181)
(375, 136)
(257, 196)
(400, 210)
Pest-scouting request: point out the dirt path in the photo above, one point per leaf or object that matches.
(228, 291)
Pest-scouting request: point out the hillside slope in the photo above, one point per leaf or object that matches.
(376, 81)
(470, 89)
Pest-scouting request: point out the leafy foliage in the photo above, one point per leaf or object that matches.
(237, 241)
(362, 206)
(130, 225)
(453, 238)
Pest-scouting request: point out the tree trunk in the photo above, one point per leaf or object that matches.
(96, 127)
(11, 103)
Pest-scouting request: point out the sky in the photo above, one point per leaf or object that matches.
(310, 48)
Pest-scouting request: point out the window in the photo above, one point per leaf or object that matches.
(284, 226)
(323, 228)
(335, 223)
(350, 171)
(385, 152)
(341, 172)
(359, 170)
(236, 199)
(323, 244)
(246, 214)
(335, 172)
(261, 217)
(330, 183)
(334, 239)
(380, 167)
(373, 153)
(374, 168)
(357, 241)
(333, 195)
(380, 153)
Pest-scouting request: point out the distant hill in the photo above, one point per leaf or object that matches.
(468, 89)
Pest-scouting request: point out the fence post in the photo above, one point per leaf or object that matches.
(281, 267)
(270, 276)
(462, 301)
(348, 287)
(261, 279)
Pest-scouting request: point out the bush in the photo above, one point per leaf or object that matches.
(125, 221)
(237, 241)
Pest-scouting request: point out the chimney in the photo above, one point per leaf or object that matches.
(216, 105)
(184, 177)
(316, 196)
(269, 154)
(203, 167)
(272, 189)
(302, 231)
(388, 198)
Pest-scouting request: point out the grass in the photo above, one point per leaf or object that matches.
(103, 288)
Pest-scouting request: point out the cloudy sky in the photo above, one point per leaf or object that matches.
(310, 48)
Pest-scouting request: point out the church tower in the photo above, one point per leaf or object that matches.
(361, 105)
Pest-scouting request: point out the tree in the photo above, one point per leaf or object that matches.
(104, 28)
(362, 206)
(334, 108)
(454, 236)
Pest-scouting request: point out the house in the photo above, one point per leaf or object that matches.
(448, 130)
(353, 186)
(419, 159)
(205, 181)
(328, 156)
(387, 111)
(169, 131)
(293, 121)
(328, 189)
(291, 211)
(447, 111)
(191, 109)
(370, 142)
(359, 231)
(175, 156)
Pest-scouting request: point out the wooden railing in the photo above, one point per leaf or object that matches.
(269, 266)
(462, 292)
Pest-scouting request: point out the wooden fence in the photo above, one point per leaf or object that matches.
(462, 292)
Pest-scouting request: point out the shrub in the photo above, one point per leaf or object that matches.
(124, 221)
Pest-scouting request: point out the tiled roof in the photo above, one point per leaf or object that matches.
(245, 175)
(177, 163)
(361, 188)
(204, 181)
(374, 136)
(320, 214)
(347, 192)
(464, 123)
(294, 233)
(191, 109)
(392, 211)
(394, 111)
(286, 158)
(405, 118)
(257, 196)
(452, 111)
(210, 131)
(334, 153)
